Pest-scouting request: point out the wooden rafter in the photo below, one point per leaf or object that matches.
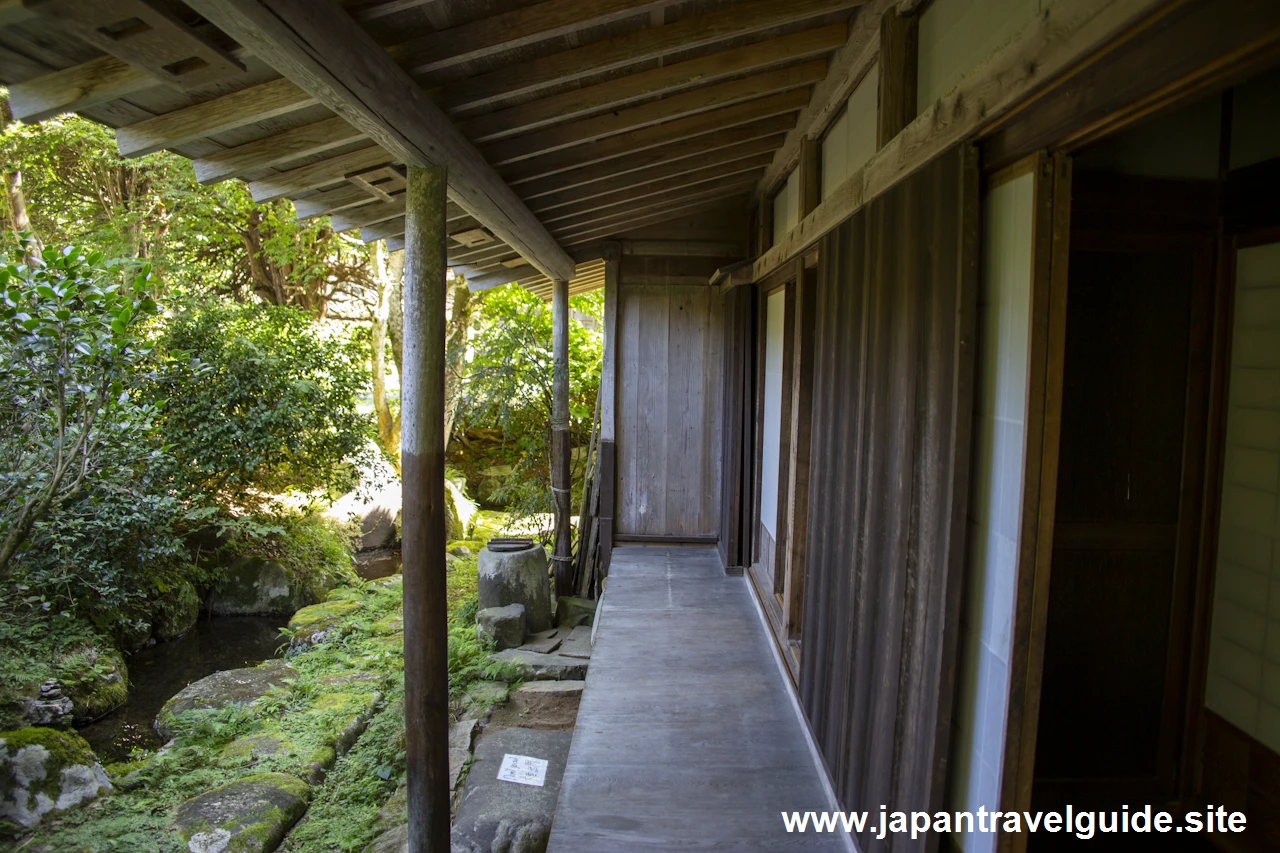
(319, 46)
(736, 169)
(714, 189)
(666, 79)
(737, 19)
(254, 104)
(664, 215)
(647, 183)
(145, 35)
(657, 113)
(79, 87)
(315, 138)
(746, 113)
(513, 29)
(318, 174)
(677, 157)
(758, 150)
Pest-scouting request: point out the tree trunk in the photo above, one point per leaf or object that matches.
(458, 334)
(388, 271)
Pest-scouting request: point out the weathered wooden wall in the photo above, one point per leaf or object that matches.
(669, 409)
(888, 487)
(737, 448)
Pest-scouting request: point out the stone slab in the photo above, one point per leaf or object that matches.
(545, 642)
(496, 816)
(532, 666)
(571, 687)
(578, 643)
(461, 733)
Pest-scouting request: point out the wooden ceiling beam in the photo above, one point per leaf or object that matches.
(745, 113)
(667, 109)
(713, 189)
(304, 141)
(687, 170)
(519, 27)
(318, 174)
(331, 201)
(315, 43)
(737, 169)
(657, 217)
(79, 87)
(247, 106)
(666, 79)
(848, 66)
(732, 21)
(663, 161)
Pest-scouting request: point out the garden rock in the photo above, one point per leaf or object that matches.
(532, 666)
(46, 770)
(256, 587)
(249, 815)
(495, 816)
(232, 686)
(176, 612)
(517, 577)
(504, 625)
(373, 565)
(572, 612)
(320, 623)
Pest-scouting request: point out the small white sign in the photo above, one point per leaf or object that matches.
(523, 770)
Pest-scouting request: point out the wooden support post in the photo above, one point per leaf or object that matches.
(560, 481)
(899, 69)
(608, 405)
(426, 666)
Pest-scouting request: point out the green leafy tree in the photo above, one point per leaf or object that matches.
(69, 350)
(508, 385)
(257, 400)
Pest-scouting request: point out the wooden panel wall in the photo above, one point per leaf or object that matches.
(891, 421)
(669, 410)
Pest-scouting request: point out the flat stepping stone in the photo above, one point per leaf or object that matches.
(552, 689)
(500, 815)
(252, 814)
(578, 643)
(533, 666)
(461, 733)
(228, 687)
(546, 641)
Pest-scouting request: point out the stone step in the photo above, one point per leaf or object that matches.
(533, 666)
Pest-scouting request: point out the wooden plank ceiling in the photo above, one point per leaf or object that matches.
(592, 117)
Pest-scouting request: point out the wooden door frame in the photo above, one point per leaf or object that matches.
(1050, 252)
(1201, 456)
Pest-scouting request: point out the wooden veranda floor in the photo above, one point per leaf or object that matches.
(686, 737)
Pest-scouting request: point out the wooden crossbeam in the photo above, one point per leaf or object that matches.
(848, 65)
(331, 201)
(736, 169)
(1060, 38)
(247, 106)
(145, 35)
(79, 87)
(541, 21)
(315, 138)
(315, 43)
(759, 152)
(531, 75)
(381, 182)
(685, 155)
(746, 113)
(665, 79)
(667, 109)
(318, 174)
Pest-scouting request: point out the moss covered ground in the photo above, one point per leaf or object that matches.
(355, 673)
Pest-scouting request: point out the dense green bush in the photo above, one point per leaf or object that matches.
(258, 400)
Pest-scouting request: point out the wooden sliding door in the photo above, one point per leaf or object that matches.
(891, 415)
